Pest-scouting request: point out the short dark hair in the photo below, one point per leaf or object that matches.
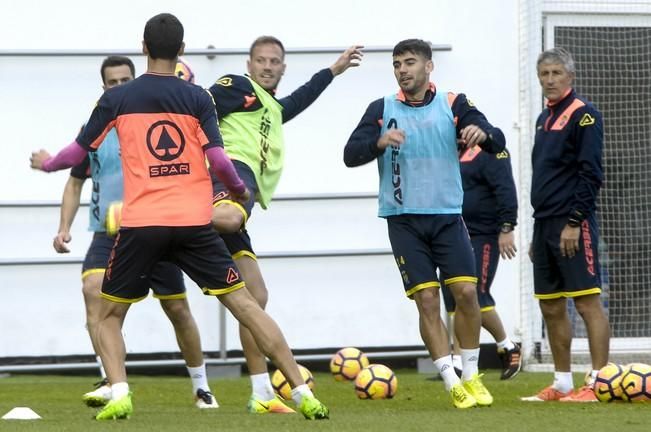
(414, 46)
(112, 61)
(263, 40)
(163, 36)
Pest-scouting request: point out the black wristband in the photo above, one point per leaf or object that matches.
(506, 228)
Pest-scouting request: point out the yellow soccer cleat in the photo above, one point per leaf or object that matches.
(461, 398)
(476, 388)
(313, 409)
(116, 409)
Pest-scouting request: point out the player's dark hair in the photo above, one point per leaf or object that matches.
(414, 46)
(112, 61)
(163, 36)
(263, 40)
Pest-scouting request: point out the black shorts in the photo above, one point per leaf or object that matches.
(238, 243)
(423, 244)
(556, 276)
(198, 251)
(166, 280)
(487, 257)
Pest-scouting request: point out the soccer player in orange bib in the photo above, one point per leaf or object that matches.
(167, 128)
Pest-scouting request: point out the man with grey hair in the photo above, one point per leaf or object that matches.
(567, 175)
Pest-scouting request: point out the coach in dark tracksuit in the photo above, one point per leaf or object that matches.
(490, 211)
(567, 175)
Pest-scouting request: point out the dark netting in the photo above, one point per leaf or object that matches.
(613, 70)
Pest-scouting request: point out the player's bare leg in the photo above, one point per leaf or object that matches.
(467, 318)
(432, 328)
(185, 328)
(490, 320)
(436, 339)
(559, 329)
(91, 289)
(189, 340)
(272, 343)
(250, 272)
(108, 334)
(227, 218)
(596, 323)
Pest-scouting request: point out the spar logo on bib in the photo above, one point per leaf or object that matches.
(165, 141)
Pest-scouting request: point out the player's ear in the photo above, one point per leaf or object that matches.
(429, 66)
(182, 49)
(283, 71)
(145, 51)
(248, 66)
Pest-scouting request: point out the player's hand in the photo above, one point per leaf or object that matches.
(506, 242)
(350, 58)
(60, 241)
(471, 136)
(392, 137)
(37, 159)
(243, 197)
(570, 241)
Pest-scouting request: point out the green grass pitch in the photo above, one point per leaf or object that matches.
(165, 404)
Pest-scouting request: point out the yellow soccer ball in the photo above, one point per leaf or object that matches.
(608, 384)
(637, 383)
(347, 363)
(376, 382)
(113, 218)
(281, 385)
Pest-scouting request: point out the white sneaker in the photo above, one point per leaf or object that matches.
(100, 396)
(205, 399)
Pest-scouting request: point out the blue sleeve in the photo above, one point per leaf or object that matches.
(233, 93)
(589, 137)
(499, 176)
(101, 121)
(467, 114)
(361, 147)
(302, 97)
(209, 135)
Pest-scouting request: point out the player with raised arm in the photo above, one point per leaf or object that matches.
(251, 120)
(167, 128)
(413, 135)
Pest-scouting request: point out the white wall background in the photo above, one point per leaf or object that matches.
(348, 300)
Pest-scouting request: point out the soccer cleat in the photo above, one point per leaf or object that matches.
(583, 394)
(476, 388)
(98, 397)
(461, 398)
(511, 362)
(116, 409)
(272, 406)
(204, 399)
(313, 409)
(547, 394)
